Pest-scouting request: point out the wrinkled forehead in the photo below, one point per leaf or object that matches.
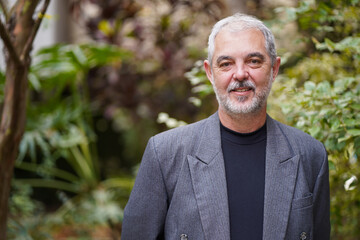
(236, 27)
(236, 30)
(247, 41)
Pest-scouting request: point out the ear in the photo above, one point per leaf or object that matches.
(276, 67)
(208, 70)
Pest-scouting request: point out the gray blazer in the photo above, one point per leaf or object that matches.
(180, 191)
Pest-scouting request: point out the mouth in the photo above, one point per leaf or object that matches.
(242, 89)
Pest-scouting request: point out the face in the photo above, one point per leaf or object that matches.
(241, 71)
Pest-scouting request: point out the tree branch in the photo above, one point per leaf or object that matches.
(31, 38)
(5, 10)
(8, 44)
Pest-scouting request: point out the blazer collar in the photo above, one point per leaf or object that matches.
(278, 148)
(210, 144)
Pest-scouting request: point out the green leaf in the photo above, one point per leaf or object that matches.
(351, 122)
(314, 131)
(79, 56)
(330, 44)
(48, 183)
(354, 132)
(331, 165)
(34, 82)
(310, 86)
(355, 106)
(324, 87)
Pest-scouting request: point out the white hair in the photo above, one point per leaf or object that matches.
(240, 22)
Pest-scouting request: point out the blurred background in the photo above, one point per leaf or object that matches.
(107, 75)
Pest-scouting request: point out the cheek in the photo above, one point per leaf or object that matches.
(260, 78)
(222, 80)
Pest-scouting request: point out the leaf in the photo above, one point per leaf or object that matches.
(314, 130)
(331, 165)
(34, 81)
(351, 122)
(310, 86)
(354, 132)
(324, 87)
(315, 41)
(196, 101)
(349, 43)
(343, 139)
(355, 106)
(330, 44)
(79, 56)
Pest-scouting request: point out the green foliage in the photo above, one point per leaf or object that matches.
(98, 207)
(202, 90)
(201, 85)
(26, 214)
(78, 217)
(333, 19)
(59, 122)
(22, 205)
(59, 129)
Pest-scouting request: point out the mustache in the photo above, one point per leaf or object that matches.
(243, 84)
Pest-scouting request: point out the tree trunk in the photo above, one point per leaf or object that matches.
(11, 131)
(18, 40)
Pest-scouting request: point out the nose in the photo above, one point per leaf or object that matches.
(241, 73)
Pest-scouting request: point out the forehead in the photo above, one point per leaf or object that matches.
(235, 42)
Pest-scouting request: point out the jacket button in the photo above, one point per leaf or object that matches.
(303, 235)
(183, 237)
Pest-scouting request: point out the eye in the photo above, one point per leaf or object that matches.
(225, 64)
(255, 62)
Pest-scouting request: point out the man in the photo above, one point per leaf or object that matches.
(238, 174)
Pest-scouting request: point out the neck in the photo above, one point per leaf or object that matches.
(243, 123)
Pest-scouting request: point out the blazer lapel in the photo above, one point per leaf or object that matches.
(209, 182)
(280, 177)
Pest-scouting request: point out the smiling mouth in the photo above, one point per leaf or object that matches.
(242, 89)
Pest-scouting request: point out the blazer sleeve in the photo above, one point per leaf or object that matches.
(322, 202)
(144, 214)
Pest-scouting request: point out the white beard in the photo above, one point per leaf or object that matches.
(241, 106)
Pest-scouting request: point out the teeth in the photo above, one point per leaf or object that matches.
(242, 90)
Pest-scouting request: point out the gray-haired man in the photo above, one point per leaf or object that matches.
(238, 174)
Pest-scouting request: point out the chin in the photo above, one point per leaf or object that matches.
(240, 109)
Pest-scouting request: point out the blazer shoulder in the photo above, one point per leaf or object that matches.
(313, 155)
(178, 142)
(171, 149)
(182, 131)
(300, 141)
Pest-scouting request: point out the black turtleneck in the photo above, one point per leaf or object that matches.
(244, 156)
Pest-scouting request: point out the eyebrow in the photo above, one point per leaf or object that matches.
(253, 54)
(222, 58)
(256, 54)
